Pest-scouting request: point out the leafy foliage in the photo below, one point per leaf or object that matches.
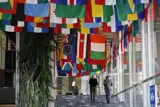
(36, 78)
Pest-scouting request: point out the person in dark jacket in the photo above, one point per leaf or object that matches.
(76, 91)
(107, 87)
(93, 84)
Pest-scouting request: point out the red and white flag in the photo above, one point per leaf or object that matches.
(81, 45)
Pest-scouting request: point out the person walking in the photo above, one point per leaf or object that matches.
(107, 87)
(93, 84)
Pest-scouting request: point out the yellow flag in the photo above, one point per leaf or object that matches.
(84, 30)
(38, 19)
(70, 26)
(11, 3)
(97, 10)
(132, 16)
(1, 15)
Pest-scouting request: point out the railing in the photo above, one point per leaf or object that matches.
(133, 96)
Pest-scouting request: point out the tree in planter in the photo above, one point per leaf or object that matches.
(35, 70)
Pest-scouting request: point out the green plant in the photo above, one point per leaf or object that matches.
(36, 78)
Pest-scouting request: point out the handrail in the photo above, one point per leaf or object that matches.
(144, 81)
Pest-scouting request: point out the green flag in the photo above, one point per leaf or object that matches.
(67, 11)
(4, 16)
(108, 12)
(124, 8)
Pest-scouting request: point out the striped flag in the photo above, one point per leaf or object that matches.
(34, 1)
(81, 46)
(92, 25)
(141, 1)
(5, 25)
(71, 2)
(8, 7)
(60, 20)
(98, 47)
(3, 1)
(105, 2)
(4, 16)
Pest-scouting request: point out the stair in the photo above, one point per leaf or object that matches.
(84, 101)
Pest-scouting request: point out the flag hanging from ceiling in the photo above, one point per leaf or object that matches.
(108, 12)
(5, 25)
(89, 18)
(97, 10)
(3, 1)
(35, 19)
(37, 10)
(18, 18)
(141, 1)
(8, 7)
(105, 2)
(34, 1)
(71, 2)
(129, 10)
(31, 28)
(92, 25)
(4, 16)
(60, 20)
(115, 24)
(81, 46)
(67, 11)
(98, 47)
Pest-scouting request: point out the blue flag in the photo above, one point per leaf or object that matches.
(71, 2)
(37, 10)
(92, 25)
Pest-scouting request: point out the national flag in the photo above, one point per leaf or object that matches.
(81, 46)
(105, 2)
(115, 24)
(92, 67)
(2, 1)
(141, 1)
(4, 16)
(158, 1)
(92, 25)
(89, 18)
(74, 48)
(8, 7)
(37, 10)
(108, 12)
(17, 23)
(33, 1)
(135, 28)
(31, 28)
(35, 19)
(71, 2)
(67, 11)
(59, 30)
(97, 10)
(129, 10)
(59, 69)
(60, 20)
(87, 30)
(9, 28)
(18, 18)
(98, 47)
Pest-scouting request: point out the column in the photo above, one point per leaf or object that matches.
(17, 69)
(144, 72)
(130, 74)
